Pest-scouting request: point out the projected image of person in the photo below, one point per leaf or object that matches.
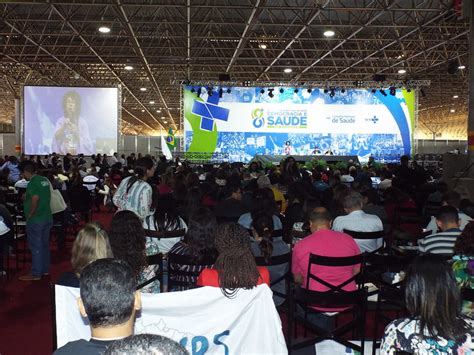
(71, 134)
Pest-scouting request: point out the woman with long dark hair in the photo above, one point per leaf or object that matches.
(235, 267)
(127, 240)
(436, 325)
(134, 192)
(198, 245)
(463, 265)
(263, 244)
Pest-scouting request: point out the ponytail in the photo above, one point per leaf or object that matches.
(266, 245)
(262, 223)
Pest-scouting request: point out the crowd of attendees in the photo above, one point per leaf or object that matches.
(221, 218)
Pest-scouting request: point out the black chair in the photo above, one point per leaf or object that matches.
(368, 236)
(275, 261)
(81, 201)
(334, 298)
(156, 259)
(183, 272)
(408, 218)
(390, 301)
(165, 234)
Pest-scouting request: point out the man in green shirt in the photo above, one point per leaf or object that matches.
(39, 221)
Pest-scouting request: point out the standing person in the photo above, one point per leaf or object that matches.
(134, 192)
(39, 221)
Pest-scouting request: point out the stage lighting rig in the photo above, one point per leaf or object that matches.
(262, 91)
(193, 90)
(373, 91)
(310, 90)
(229, 91)
(270, 93)
(282, 90)
(199, 92)
(343, 91)
(325, 90)
(393, 91)
(209, 91)
(332, 93)
(221, 92)
(296, 91)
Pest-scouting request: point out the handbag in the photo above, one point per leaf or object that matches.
(57, 201)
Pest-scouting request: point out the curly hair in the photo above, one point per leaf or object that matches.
(201, 234)
(127, 240)
(235, 264)
(465, 242)
(262, 224)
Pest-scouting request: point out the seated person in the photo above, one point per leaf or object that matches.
(146, 344)
(231, 206)
(264, 245)
(91, 243)
(198, 245)
(447, 220)
(109, 300)
(235, 267)
(263, 200)
(463, 265)
(358, 221)
(453, 199)
(435, 325)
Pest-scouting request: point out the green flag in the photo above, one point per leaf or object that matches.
(170, 139)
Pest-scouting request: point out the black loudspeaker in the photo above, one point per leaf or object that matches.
(224, 77)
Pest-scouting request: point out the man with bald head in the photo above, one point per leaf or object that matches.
(325, 242)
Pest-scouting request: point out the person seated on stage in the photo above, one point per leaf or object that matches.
(447, 220)
(435, 324)
(91, 243)
(146, 344)
(235, 267)
(358, 221)
(450, 198)
(109, 300)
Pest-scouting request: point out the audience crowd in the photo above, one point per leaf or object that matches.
(222, 225)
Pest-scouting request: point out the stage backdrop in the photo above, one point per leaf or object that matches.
(247, 121)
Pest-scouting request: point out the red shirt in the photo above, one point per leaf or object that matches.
(210, 277)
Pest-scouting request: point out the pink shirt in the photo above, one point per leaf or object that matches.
(325, 243)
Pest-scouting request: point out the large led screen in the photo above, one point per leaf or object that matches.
(245, 121)
(70, 120)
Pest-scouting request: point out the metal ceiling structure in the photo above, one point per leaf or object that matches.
(167, 41)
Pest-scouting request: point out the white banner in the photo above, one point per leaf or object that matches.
(203, 320)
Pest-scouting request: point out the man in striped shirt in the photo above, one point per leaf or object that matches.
(442, 242)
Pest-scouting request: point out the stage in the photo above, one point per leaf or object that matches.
(330, 159)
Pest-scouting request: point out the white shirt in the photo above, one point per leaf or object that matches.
(464, 219)
(359, 221)
(164, 244)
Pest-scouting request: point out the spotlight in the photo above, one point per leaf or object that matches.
(408, 90)
(326, 91)
(333, 92)
(296, 91)
(392, 91)
(382, 91)
(270, 93)
(209, 91)
(310, 90)
(282, 90)
(262, 91)
(199, 91)
(343, 90)
(373, 91)
(229, 91)
(221, 92)
(193, 90)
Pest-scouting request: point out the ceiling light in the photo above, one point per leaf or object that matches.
(452, 110)
(262, 46)
(461, 67)
(128, 67)
(143, 110)
(152, 102)
(142, 89)
(329, 33)
(455, 96)
(158, 111)
(165, 121)
(287, 70)
(104, 29)
(163, 117)
(401, 71)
